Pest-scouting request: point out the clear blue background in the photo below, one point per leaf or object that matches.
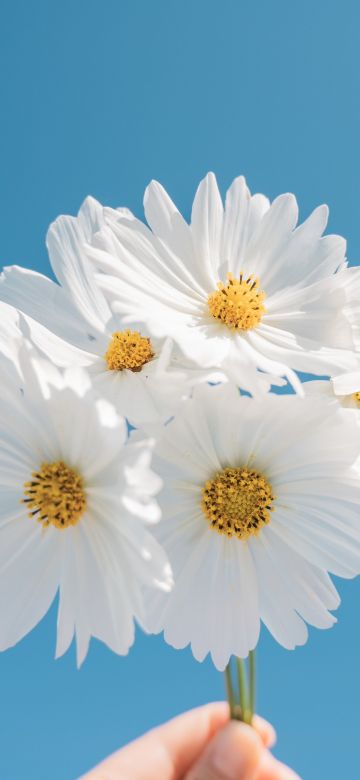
(100, 96)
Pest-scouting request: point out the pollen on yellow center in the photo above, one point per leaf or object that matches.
(356, 397)
(128, 349)
(239, 303)
(55, 495)
(237, 502)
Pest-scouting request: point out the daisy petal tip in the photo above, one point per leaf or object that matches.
(90, 202)
(239, 181)
(332, 620)
(324, 208)
(153, 186)
(220, 665)
(61, 649)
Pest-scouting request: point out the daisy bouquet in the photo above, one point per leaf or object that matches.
(147, 471)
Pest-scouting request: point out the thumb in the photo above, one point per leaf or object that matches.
(233, 754)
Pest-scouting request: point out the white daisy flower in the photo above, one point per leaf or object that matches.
(260, 502)
(76, 499)
(344, 389)
(130, 367)
(239, 287)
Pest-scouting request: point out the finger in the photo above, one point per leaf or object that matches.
(167, 751)
(271, 769)
(173, 748)
(233, 754)
(265, 729)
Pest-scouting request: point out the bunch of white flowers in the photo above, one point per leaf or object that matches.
(180, 331)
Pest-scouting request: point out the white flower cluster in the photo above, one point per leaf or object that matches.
(169, 328)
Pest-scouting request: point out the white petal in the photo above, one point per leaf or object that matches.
(67, 597)
(236, 224)
(322, 540)
(65, 242)
(30, 574)
(312, 336)
(82, 445)
(206, 225)
(276, 609)
(345, 384)
(166, 222)
(45, 302)
(268, 240)
(102, 603)
(310, 589)
(90, 217)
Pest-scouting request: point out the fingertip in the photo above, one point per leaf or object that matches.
(236, 751)
(265, 730)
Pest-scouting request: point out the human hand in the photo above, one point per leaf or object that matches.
(200, 745)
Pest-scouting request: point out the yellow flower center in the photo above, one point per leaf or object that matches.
(237, 502)
(55, 495)
(128, 349)
(356, 397)
(238, 303)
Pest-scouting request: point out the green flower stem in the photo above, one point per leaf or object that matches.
(243, 696)
(252, 684)
(230, 691)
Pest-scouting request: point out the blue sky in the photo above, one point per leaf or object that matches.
(98, 98)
